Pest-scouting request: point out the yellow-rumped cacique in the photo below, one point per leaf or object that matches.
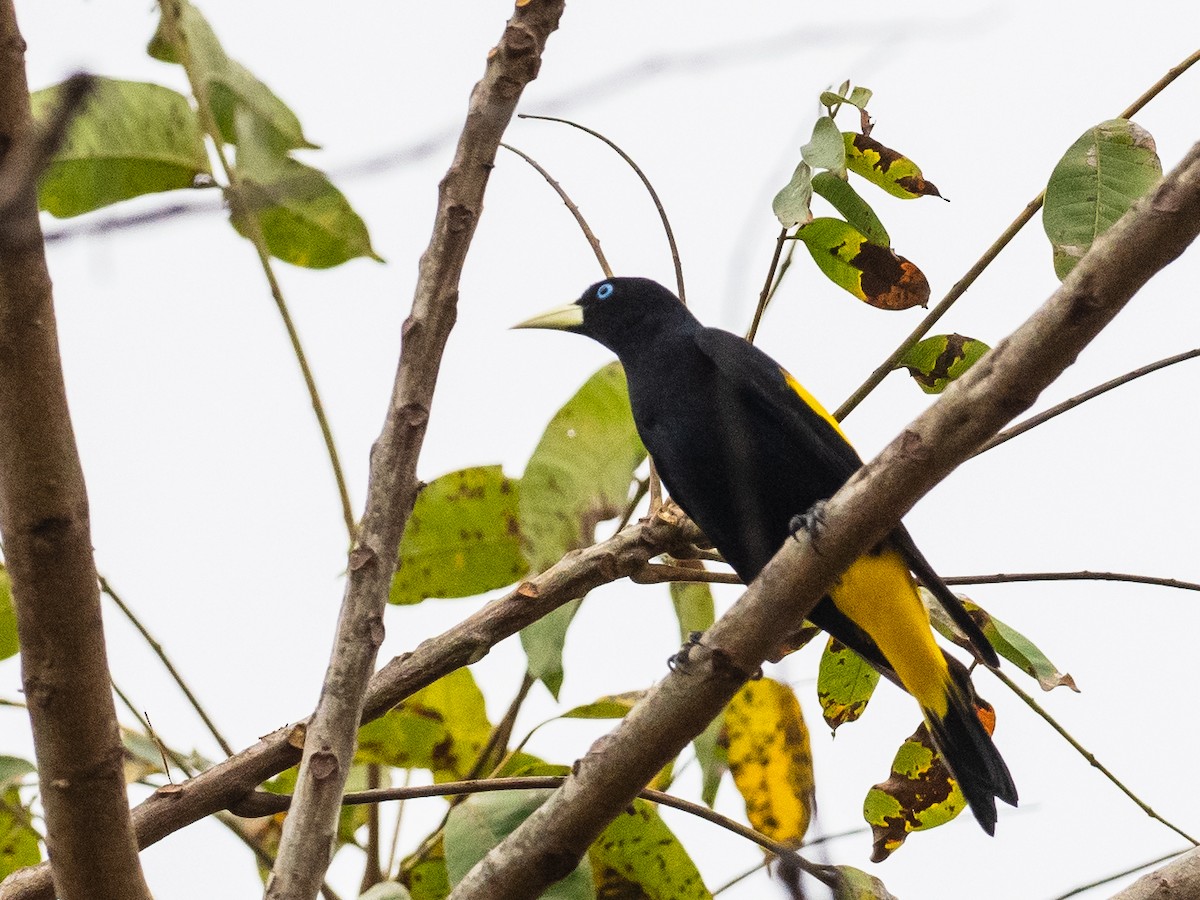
(743, 449)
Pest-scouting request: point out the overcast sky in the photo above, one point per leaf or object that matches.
(215, 516)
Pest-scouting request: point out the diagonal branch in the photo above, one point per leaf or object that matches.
(46, 528)
(308, 833)
(706, 675)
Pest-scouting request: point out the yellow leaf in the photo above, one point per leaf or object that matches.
(771, 760)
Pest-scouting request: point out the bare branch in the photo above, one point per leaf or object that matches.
(308, 832)
(706, 675)
(1013, 577)
(46, 529)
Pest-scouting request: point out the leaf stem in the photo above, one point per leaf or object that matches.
(764, 296)
(254, 233)
(1089, 756)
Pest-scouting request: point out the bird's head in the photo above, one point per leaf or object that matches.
(615, 312)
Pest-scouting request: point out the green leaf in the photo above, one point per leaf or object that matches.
(695, 610)
(462, 538)
(855, 884)
(825, 149)
(858, 97)
(19, 842)
(130, 138)
(13, 770)
(694, 607)
(852, 206)
(638, 856)
(305, 220)
(920, 793)
(713, 758)
(442, 727)
(426, 878)
(845, 683)
(8, 617)
(1096, 181)
(771, 760)
(481, 821)
(187, 38)
(1009, 643)
(791, 204)
(936, 361)
(885, 168)
(871, 273)
(614, 706)
(578, 476)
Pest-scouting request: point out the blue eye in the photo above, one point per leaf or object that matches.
(604, 291)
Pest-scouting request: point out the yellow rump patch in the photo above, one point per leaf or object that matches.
(879, 595)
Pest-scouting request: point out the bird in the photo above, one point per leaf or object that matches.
(744, 450)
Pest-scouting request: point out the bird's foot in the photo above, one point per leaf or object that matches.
(812, 521)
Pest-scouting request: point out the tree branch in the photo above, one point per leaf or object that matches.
(1174, 881)
(308, 833)
(228, 782)
(46, 529)
(705, 676)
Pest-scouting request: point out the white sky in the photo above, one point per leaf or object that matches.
(216, 518)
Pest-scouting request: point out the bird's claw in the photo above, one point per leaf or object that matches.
(812, 521)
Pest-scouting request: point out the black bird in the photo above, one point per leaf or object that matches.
(743, 448)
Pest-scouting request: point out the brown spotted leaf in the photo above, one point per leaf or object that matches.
(885, 168)
(771, 760)
(936, 361)
(870, 272)
(638, 856)
(462, 538)
(919, 794)
(845, 682)
(442, 727)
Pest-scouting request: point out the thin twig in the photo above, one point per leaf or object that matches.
(662, 212)
(154, 645)
(1071, 403)
(1107, 879)
(266, 803)
(1089, 756)
(765, 295)
(984, 261)
(175, 756)
(1083, 575)
(657, 573)
(593, 241)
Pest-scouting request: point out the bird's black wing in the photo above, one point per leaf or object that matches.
(763, 383)
(829, 457)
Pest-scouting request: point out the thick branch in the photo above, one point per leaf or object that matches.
(549, 843)
(47, 537)
(308, 834)
(1177, 880)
